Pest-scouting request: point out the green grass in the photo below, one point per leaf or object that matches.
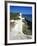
(14, 16)
(26, 30)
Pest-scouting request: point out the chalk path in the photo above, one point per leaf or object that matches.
(16, 34)
(19, 36)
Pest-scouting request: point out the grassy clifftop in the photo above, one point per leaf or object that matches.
(14, 16)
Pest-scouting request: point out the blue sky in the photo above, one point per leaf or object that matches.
(22, 9)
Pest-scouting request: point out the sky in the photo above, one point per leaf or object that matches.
(21, 9)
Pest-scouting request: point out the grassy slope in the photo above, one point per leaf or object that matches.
(26, 30)
(14, 16)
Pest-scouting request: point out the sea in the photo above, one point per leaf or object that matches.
(28, 17)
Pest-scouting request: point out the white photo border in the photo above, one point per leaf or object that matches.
(8, 22)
